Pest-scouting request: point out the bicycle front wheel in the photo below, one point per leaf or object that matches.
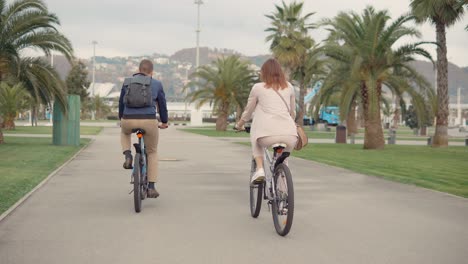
(136, 183)
(283, 202)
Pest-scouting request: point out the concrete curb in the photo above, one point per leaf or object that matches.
(42, 183)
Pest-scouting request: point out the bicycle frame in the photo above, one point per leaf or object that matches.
(143, 156)
(270, 160)
(141, 149)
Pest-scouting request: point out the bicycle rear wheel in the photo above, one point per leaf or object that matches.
(283, 202)
(136, 183)
(256, 194)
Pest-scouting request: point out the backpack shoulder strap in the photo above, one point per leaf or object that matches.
(144, 80)
(127, 81)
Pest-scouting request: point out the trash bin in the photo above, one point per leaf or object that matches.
(66, 129)
(340, 137)
(392, 137)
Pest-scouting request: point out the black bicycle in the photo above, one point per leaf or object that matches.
(139, 172)
(277, 189)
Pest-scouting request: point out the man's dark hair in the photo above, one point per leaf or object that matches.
(146, 66)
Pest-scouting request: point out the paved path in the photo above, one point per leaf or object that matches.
(85, 215)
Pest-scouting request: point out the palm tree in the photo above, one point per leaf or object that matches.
(99, 106)
(224, 83)
(442, 14)
(365, 61)
(311, 69)
(290, 43)
(13, 99)
(28, 25)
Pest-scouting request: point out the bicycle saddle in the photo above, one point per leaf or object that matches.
(279, 145)
(135, 130)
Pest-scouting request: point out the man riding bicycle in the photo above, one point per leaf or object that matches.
(140, 96)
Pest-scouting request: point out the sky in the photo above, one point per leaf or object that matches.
(143, 27)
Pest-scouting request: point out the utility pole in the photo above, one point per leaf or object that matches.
(198, 3)
(459, 110)
(94, 77)
(196, 116)
(51, 106)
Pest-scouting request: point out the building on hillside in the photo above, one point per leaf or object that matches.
(162, 61)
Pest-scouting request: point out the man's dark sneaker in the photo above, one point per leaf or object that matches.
(128, 160)
(152, 193)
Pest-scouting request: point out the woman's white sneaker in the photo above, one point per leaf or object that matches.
(258, 177)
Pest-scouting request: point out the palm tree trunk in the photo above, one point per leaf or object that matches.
(360, 118)
(9, 122)
(396, 113)
(351, 122)
(300, 112)
(221, 121)
(441, 137)
(1, 132)
(239, 112)
(373, 133)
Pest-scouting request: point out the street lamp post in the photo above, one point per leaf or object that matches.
(94, 76)
(196, 118)
(198, 3)
(51, 106)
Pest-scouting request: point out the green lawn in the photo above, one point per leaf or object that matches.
(444, 170)
(25, 162)
(211, 132)
(84, 130)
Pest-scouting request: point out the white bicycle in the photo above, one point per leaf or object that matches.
(277, 189)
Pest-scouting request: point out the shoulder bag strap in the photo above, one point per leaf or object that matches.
(284, 101)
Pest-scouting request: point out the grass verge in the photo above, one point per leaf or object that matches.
(444, 169)
(84, 130)
(211, 132)
(25, 162)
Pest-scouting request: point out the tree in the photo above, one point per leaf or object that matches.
(12, 101)
(99, 106)
(312, 69)
(442, 14)
(411, 119)
(364, 61)
(290, 44)
(224, 83)
(26, 25)
(77, 80)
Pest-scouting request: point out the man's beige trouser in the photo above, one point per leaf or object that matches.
(151, 138)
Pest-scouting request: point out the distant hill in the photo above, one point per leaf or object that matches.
(207, 55)
(458, 77)
(61, 64)
(117, 67)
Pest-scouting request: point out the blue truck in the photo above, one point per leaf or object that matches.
(327, 114)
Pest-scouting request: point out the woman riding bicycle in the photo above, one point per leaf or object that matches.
(273, 122)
